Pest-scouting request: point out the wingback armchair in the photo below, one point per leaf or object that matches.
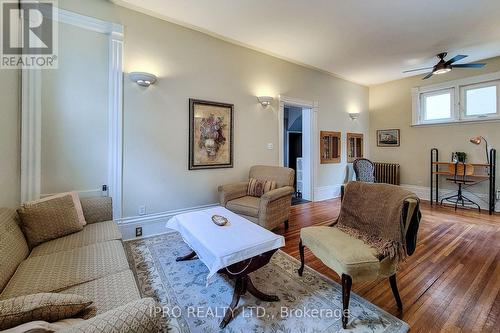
(272, 208)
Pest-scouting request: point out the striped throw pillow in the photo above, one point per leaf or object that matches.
(257, 187)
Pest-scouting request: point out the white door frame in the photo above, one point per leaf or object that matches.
(313, 147)
(31, 111)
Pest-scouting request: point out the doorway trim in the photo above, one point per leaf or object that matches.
(31, 112)
(313, 148)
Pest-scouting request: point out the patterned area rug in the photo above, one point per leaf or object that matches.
(310, 303)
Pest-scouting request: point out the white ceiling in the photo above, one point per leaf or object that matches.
(365, 41)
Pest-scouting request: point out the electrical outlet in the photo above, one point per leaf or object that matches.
(498, 194)
(142, 210)
(270, 146)
(138, 232)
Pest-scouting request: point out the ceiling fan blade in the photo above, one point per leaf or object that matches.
(455, 59)
(418, 69)
(478, 65)
(427, 76)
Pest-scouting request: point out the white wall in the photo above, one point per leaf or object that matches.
(74, 154)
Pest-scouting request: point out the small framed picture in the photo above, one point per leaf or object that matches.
(388, 138)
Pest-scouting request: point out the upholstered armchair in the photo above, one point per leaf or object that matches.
(349, 254)
(269, 210)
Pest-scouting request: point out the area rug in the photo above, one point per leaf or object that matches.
(310, 303)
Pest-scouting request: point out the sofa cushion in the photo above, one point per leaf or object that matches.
(97, 209)
(91, 234)
(44, 306)
(258, 187)
(54, 272)
(13, 246)
(138, 316)
(342, 252)
(245, 205)
(40, 326)
(107, 292)
(49, 218)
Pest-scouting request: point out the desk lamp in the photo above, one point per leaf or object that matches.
(477, 141)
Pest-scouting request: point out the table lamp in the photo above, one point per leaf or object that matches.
(477, 141)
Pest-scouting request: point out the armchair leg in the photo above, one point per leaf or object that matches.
(286, 224)
(346, 295)
(394, 287)
(301, 251)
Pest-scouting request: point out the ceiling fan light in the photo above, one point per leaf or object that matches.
(442, 71)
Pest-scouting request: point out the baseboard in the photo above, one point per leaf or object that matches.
(424, 193)
(327, 192)
(152, 224)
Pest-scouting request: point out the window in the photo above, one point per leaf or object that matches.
(437, 106)
(465, 100)
(480, 101)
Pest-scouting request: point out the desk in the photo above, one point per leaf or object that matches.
(482, 172)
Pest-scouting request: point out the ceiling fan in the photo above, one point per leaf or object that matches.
(443, 66)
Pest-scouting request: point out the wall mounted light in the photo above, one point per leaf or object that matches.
(354, 115)
(143, 79)
(265, 100)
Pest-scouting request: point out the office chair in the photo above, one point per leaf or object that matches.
(460, 171)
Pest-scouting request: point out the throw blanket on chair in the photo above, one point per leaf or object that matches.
(373, 213)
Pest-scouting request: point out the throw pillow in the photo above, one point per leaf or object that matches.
(257, 187)
(44, 306)
(49, 218)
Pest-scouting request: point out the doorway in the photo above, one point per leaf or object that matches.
(296, 124)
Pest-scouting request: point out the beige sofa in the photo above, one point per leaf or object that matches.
(268, 211)
(90, 263)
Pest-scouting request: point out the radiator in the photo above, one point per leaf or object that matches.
(387, 173)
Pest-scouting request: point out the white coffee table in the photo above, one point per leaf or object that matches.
(236, 249)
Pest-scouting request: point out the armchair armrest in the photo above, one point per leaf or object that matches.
(97, 209)
(232, 191)
(276, 194)
(138, 316)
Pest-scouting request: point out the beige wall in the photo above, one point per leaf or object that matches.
(10, 127)
(192, 64)
(391, 107)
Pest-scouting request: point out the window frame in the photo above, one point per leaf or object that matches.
(463, 100)
(458, 90)
(423, 106)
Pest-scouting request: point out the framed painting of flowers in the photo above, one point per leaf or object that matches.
(210, 135)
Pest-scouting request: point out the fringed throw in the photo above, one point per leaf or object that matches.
(373, 214)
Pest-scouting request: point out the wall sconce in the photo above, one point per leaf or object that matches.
(265, 100)
(354, 115)
(143, 79)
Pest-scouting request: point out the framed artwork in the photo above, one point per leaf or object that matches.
(210, 135)
(388, 138)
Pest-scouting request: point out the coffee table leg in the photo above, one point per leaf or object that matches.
(259, 294)
(186, 257)
(239, 289)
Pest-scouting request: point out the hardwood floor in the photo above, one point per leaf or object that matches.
(450, 284)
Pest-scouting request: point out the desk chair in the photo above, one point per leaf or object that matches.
(459, 172)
